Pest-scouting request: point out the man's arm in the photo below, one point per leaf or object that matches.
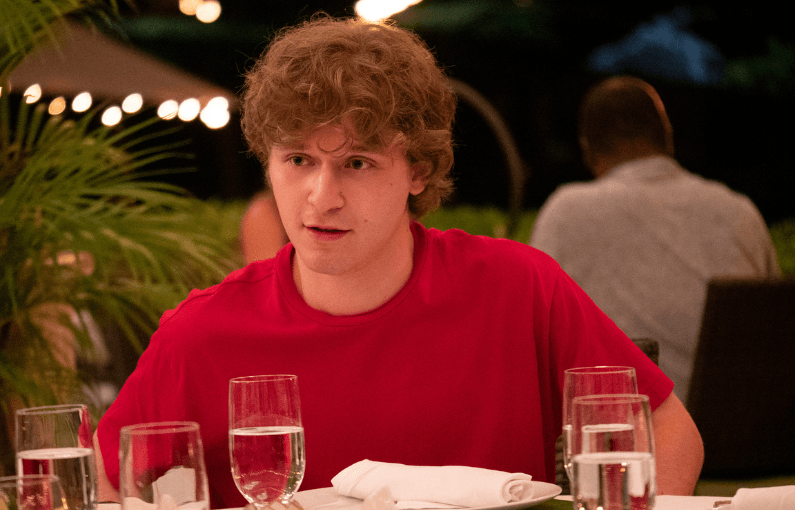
(105, 491)
(679, 448)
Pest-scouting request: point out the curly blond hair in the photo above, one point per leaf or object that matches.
(380, 77)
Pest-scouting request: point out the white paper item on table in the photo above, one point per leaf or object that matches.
(418, 486)
(764, 498)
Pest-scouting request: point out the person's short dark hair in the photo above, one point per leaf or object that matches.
(620, 109)
(382, 78)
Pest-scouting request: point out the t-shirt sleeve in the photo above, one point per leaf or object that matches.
(151, 394)
(582, 335)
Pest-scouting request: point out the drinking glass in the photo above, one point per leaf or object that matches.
(614, 462)
(32, 492)
(162, 467)
(57, 440)
(591, 381)
(266, 438)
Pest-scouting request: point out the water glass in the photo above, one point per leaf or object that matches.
(57, 440)
(162, 467)
(32, 492)
(614, 453)
(266, 438)
(583, 381)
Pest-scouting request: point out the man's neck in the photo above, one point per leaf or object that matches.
(356, 292)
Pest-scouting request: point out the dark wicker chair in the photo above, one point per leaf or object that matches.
(742, 390)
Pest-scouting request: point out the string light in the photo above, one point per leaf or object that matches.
(189, 7)
(208, 11)
(189, 109)
(132, 103)
(168, 109)
(111, 116)
(375, 10)
(57, 106)
(32, 93)
(82, 102)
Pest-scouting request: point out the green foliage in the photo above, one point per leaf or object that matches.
(84, 226)
(782, 234)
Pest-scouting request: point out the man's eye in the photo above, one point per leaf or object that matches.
(297, 160)
(358, 164)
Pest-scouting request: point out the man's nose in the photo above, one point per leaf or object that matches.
(326, 190)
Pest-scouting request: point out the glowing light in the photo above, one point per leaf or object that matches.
(132, 103)
(57, 106)
(168, 109)
(189, 7)
(111, 116)
(375, 10)
(82, 102)
(189, 109)
(215, 115)
(32, 93)
(208, 11)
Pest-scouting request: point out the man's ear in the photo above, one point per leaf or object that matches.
(419, 177)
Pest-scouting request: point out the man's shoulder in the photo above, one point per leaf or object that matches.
(247, 281)
(456, 248)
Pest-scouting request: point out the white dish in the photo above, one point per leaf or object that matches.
(327, 497)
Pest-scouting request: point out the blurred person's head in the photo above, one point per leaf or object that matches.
(622, 119)
(378, 80)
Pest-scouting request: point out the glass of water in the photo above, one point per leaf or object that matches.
(613, 453)
(32, 492)
(57, 440)
(267, 442)
(162, 467)
(583, 381)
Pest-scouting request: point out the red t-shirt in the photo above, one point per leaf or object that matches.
(464, 366)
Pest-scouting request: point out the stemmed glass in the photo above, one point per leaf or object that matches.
(614, 461)
(583, 381)
(266, 438)
(32, 492)
(57, 440)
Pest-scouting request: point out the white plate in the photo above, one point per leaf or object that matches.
(328, 498)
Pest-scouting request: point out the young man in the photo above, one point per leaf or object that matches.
(410, 345)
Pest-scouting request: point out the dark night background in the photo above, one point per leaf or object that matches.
(531, 59)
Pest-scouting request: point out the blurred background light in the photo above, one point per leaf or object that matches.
(132, 103)
(168, 109)
(208, 11)
(189, 109)
(111, 116)
(57, 106)
(32, 93)
(82, 102)
(375, 10)
(189, 7)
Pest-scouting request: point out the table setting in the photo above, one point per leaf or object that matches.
(608, 455)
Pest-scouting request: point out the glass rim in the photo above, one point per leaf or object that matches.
(600, 369)
(160, 427)
(612, 398)
(52, 409)
(266, 377)
(32, 477)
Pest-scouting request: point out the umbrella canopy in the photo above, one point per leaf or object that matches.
(88, 61)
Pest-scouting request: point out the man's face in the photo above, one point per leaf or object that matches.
(344, 208)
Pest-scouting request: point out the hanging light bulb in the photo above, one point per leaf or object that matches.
(82, 102)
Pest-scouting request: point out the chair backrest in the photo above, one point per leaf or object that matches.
(741, 393)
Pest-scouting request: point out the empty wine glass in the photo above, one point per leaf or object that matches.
(162, 467)
(266, 438)
(57, 440)
(591, 381)
(614, 453)
(32, 492)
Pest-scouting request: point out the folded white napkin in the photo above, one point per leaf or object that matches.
(419, 486)
(764, 498)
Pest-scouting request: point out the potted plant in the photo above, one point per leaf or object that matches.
(86, 233)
